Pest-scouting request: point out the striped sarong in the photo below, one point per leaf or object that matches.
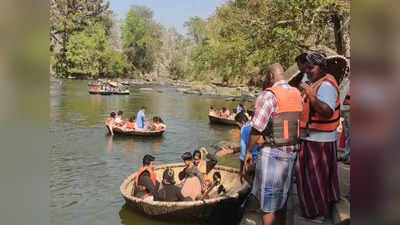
(317, 177)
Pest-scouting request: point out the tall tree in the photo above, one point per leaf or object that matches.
(68, 17)
(141, 39)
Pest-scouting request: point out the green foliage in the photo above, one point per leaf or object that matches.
(89, 53)
(244, 37)
(141, 39)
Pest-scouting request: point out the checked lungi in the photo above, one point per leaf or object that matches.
(273, 177)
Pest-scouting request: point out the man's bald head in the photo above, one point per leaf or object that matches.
(275, 73)
(276, 69)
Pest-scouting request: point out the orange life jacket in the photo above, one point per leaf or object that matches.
(311, 119)
(130, 125)
(283, 128)
(347, 99)
(152, 177)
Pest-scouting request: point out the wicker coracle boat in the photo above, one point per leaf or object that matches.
(201, 209)
(122, 132)
(219, 120)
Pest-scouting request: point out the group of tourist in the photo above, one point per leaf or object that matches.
(293, 130)
(226, 114)
(138, 122)
(194, 180)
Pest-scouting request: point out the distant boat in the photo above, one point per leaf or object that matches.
(220, 120)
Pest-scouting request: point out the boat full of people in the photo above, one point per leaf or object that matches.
(135, 125)
(224, 116)
(196, 195)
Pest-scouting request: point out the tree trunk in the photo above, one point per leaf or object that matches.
(342, 33)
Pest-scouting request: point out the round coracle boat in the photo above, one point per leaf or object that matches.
(220, 120)
(201, 209)
(129, 132)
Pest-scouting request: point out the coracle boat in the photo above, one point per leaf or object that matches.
(146, 133)
(201, 209)
(220, 120)
(122, 92)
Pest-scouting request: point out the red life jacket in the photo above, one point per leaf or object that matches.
(311, 119)
(153, 178)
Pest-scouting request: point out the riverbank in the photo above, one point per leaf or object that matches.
(242, 93)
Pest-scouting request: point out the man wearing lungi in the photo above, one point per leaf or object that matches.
(276, 118)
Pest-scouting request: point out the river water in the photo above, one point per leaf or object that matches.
(87, 166)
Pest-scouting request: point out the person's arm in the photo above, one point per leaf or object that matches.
(182, 174)
(324, 102)
(146, 181)
(200, 176)
(211, 162)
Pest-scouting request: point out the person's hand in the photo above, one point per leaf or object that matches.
(307, 89)
(247, 161)
(241, 177)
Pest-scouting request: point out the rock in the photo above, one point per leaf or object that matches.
(225, 145)
(181, 89)
(146, 89)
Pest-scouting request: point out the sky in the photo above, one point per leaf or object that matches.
(170, 13)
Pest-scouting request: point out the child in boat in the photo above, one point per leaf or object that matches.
(191, 170)
(169, 191)
(110, 123)
(211, 160)
(130, 124)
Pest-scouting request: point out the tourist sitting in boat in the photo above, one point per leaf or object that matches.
(212, 112)
(191, 169)
(141, 118)
(159, 123)
(146, 185)
(110, 123)
(119, 121)
(232, 114)
(152, 126)
(169, 191)
(224, 113)
(107, 88)
(130, 124)
(210, 162)
(239, 108)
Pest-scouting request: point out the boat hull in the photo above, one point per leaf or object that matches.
(218, 120)
(119, 132)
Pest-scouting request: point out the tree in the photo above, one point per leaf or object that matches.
(141, 39)
(89, 53)
(68, 17)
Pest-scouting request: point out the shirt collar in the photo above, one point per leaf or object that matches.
(281, 82)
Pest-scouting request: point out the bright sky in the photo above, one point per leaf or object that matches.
(170, 13)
